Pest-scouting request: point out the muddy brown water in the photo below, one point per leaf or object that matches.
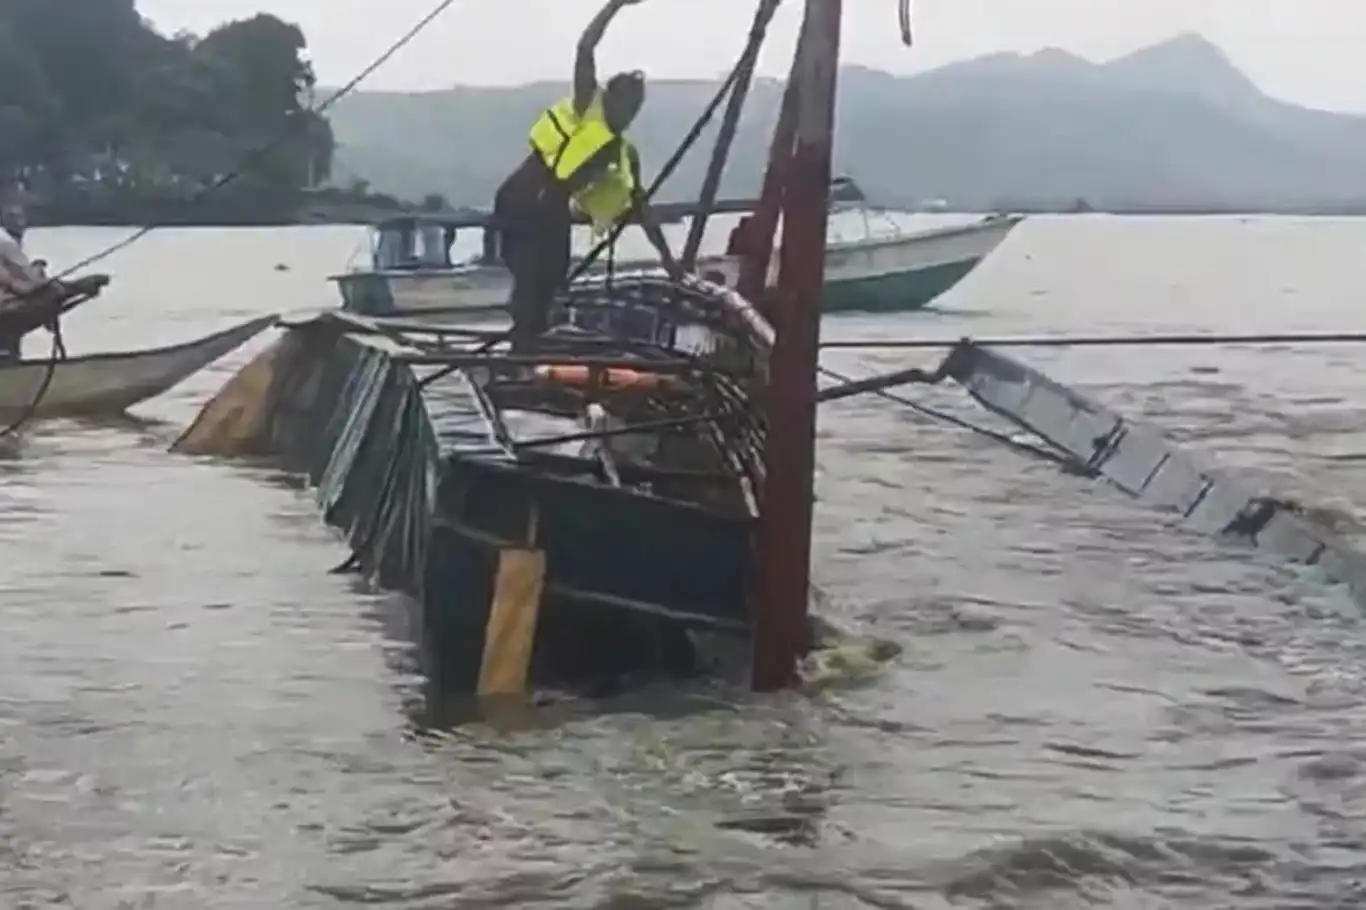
(1093, 708)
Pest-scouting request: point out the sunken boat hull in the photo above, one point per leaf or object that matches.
(551, 534)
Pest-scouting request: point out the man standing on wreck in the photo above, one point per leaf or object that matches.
(580, 157)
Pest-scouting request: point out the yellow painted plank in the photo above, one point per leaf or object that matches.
(510, 632)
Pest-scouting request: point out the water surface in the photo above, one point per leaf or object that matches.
(1094, 708)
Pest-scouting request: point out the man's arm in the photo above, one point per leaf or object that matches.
(585, 66)
(17, 275)
(17, 282)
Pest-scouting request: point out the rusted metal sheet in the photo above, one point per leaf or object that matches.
(1147, 465)
(378, 474)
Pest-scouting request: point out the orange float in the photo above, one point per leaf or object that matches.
(615, 378)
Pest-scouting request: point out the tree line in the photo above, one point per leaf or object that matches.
(106, 120)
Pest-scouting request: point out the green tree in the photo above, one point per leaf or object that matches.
(263, 81)
(29, 104)
(95, 105)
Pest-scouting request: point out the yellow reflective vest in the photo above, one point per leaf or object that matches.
(566, 142)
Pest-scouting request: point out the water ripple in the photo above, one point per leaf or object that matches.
(1094, 707)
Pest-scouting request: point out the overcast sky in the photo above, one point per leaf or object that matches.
(1308, 51)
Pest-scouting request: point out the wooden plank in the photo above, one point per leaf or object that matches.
(510, 634)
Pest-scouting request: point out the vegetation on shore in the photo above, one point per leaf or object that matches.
(105, 120)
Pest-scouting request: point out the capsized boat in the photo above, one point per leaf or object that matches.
(565, 519)
(409, 267)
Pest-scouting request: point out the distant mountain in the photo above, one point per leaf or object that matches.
(1172, 124)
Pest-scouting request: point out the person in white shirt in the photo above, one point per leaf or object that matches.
(24, 282)
(17, 274)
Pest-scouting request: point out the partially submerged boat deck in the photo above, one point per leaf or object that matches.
(1147, 465)
(1087, 438)
(563, 519)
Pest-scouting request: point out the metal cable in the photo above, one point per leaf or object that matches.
(960, 423)
(1081, 341)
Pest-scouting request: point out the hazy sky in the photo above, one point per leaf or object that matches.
(1307, 51)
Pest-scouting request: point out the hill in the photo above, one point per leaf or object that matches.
(1172, 125)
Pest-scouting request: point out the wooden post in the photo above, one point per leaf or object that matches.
(763, 223)
(782, 626)
(725, 136)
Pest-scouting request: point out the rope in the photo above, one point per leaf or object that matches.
(1079, 341)
(725, 137)
(59, 347)
(756, 38)
(55, 355)
(284, 134)
(904, 20)
(611, 267)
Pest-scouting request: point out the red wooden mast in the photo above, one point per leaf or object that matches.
(798, 180)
